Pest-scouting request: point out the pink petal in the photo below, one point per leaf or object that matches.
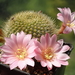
(43, 63)
(10, 60)
(53, 40)
(49, 65)
(47, 37)
(60, 9)
(56, 47)
(60, 41)
(14, 65)
(31, 49)
(60, 17)
(73, 17)
(10, 43)
(65, 48)
(32, 42)
(43, 41)
(38, 50)
(3, 59)
(13, 37)
(21, 64)
(38, 57)
(66, 15)
(67, 30)
(26, 40)
(7, 49)
(56, 63)
(30, 62)
(31, 55)
(63, 57)
(6, 55)
(20, 37)
(69, 10)
(64, 62)
(38, 44)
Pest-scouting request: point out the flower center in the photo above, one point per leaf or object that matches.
(21, 53)
(48, 54)
(70, 24)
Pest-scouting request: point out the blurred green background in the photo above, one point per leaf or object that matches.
(49, 7)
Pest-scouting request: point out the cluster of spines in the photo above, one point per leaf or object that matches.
(30, 22)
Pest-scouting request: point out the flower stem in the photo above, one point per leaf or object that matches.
(60, 31)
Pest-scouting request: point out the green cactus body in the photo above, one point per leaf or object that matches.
(35, 23)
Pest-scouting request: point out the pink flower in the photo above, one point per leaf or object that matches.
(18, 51)
(51, 52)
(67, 18)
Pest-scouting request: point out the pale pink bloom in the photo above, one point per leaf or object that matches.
(51, 52)
(67, 18)
(18, 51)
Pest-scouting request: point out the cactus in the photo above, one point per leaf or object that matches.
(35, 23)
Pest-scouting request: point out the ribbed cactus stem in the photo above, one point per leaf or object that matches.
(35, 23)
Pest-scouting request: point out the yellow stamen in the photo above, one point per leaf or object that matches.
(70, 24)
(21, 53)
(48, 54)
